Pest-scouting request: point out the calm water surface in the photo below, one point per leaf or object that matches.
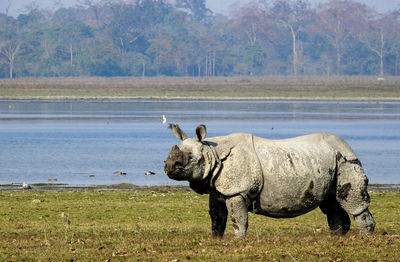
(85, 142)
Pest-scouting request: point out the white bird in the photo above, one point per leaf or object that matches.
(164, 119)
(26, 186)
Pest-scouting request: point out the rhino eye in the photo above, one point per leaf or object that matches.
(189, 157)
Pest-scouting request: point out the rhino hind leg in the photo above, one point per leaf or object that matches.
(352, 194)
(338, 219)
(218, 214)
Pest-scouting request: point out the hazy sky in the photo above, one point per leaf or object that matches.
(217, 6)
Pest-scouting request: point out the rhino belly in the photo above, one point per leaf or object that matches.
(296, 179)
(287, 204)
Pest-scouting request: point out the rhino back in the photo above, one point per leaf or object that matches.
(298, 173)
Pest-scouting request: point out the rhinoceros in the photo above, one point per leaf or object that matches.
(277, 178)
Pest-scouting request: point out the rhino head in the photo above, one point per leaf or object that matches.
(192, 160)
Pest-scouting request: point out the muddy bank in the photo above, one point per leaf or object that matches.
(160, 188)
(67, 187)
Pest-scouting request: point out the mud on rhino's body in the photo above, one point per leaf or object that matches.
(277, 178)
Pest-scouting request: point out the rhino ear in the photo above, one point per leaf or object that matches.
(201, 132)
(177, 132)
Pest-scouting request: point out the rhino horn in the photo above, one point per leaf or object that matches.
(174, 160)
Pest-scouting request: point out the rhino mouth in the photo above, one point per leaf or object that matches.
(176, 174)
(173, 171)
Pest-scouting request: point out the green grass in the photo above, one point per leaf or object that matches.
(272, 87)
(167, 224)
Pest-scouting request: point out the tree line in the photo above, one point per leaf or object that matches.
(184, 38)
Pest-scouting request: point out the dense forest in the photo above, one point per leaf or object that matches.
(184, 38)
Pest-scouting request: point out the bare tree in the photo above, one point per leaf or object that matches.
(197, 8)
(340, 19)
(9, 52)
(95, 6)
(31, 6)
(250, 20)
(294, 15)
(8, 6)
(380, 37)
(396, 46)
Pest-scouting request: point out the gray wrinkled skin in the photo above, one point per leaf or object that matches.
(276, 178)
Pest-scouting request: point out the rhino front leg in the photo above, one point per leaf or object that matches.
(237, 208)
(338, 219)
(218, 214)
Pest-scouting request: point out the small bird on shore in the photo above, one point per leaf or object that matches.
(164, 119)
(26, 186)
(149, 173)
(120, 173)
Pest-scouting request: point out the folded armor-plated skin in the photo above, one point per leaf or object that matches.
(276, 178)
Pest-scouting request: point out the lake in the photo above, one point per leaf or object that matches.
(84, 142)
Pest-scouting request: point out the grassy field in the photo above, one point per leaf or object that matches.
(273, 87)
(173, 225)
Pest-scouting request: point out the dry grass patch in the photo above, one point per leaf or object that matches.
(273, 87)
(166, 225)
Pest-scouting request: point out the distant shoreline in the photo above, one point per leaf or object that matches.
(280, 88)
(152, 98)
